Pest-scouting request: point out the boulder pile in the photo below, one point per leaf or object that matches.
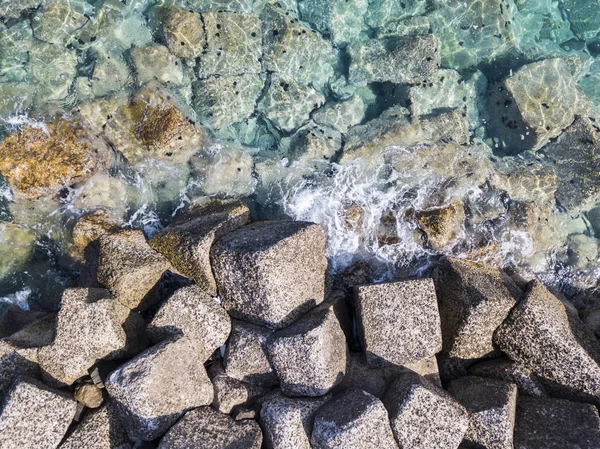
(226, 334)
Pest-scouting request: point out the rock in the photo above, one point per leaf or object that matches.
(14, 9)
(312, 147)
(423, 415)
(342, 20)
(232, 394)
(153, 390)
(194, 314)
(270, 273)
(540, 325)
(442, 225)
(403, 60)
(372, 380)
(310, 355)
(225, 100)
(69, 153)
(591, 319)
(204, 427)
(15, 362)
(287, 422)
(355, 419)
(409, 26)
(15, 43)
(505, 369)
(341, 116)
(398, 322)
(155, 62)
(473, 302)
(89, 327)
(525, 115)
(90, 227)
(34, 416)
(183, 32)
(246, 357)
(52, 69)
(100, 429)
(130, 268)
(13, 319)
(288, 104)
(383, 12)
(187, 241)
(555, 424)
(37, 334)
(58, 21)
(491, 405)
(89, 394)
(229, 51)
(111, 74)
(583, 18)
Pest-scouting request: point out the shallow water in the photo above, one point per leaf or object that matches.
(409, 129)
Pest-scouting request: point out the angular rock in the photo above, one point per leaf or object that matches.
(33, 416)
(232, 394)
(312, 147)
(37, 334)
(354, 419)
(224, 100)
(15, 362)
(342, 116)
(473, 302)
(288, 104)
(153, 390)
(13, 319)
(270, 273)
(58, 21)
(342, 20)
(287, 423)
(310, 355)
(88, 394)
(423, 415)
(541, 325)
(90, 227)
(205, 427)
(403, 60)
(398, 322)
(52, 69)
(183, 32)
(233, 44)
(130, 268)
(155, 62)
(246, 358)
(100, 429)
(111, 74)
(442, 225)
(583, 18)
(68, 152)
(89, 327)
(187, 241)
(556, 424)
(491, 405)
(507, 370)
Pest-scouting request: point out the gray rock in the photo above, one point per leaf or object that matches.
(153, 390)
(187, 241)
(194, 314)
(52, 69)
(353, 420)
(13, 319)
(270, 273)
(246, 357)
(232, 394)
(423, 415)
(398, 322)
(491, 405)
(555, 424)
(100, 429)
(287, 423)
(233, 44)
(33, 416)
(183, 32)
(342, 20)
(58, 21)
(206, 428)
(543, 334)
(343, 115)
(130, 268)
(37, 334)
(505, 369)
(402, 60)
(383, 12)
(310, 355)
(89, 327)
(473, 301)
(156, 63)
(15, 362)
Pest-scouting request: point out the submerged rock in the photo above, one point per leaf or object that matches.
(383, 12)
(342, 116)
(342, 20)
(155, 62)
(52, 69)
(58, 21)
(442, 225)
(183, 32)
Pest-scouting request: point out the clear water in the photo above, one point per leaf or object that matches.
(362, 115)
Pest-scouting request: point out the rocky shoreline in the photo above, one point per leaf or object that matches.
(144, 354)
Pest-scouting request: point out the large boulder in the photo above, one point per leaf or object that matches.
(40, 161)
(15, 362)
(398, 322)
(423, 415)
(287, 423)
(153, 390)
(58, 21)
(183, 32)
(130, 268)
(491, 405)
(187, 241)
(33, 416)
(548, 337)
(505, 369)
(246, 356)
(270, 273)
(556, 424)
(473, 302)
(309, 356)
(353, 420)
(192, 313)
(206, 428)
(90, 326)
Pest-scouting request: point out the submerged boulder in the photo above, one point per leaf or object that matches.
(342, 20)
(384, 12)
(58, 21)
(183, 32)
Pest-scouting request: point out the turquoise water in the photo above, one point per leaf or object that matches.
(408, 128)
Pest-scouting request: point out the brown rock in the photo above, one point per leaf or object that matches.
(89, 394)
(442, 225)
